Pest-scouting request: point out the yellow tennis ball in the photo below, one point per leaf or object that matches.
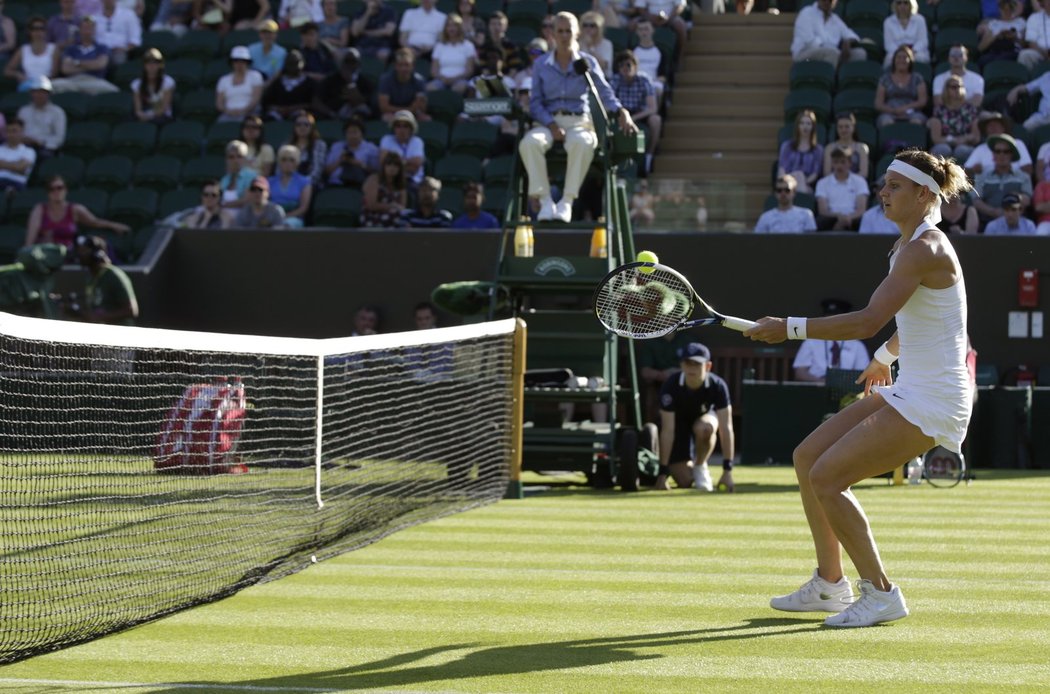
(646, 257)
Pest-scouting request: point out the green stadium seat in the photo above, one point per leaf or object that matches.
(219, 135)
(70, 168)
(95, 199)
(163, 41)
(173, 201)
(337, 207)
(188, 73)
(124, 75)
(289, 38)
(865, 13)
(19, 13)
(520, 34)
(140, 239)
(331, 130)
(399, 6)
(816, 100)
(925, 70)
(375, 130)
(446, 6)
(896, 136)
(159, 173)
(422, 66)
(476, 138)
(134, 140)
(486, 8)
(136, 208)
(619, 37)
(880, 167)
(349, 8)
(451, 199)
(12, 237)
(859, 102)
(959, 13)
(110, 172)
(863, 74)
(498, 171)
(10, 103)
(197, 172)
(812, 74)
(372, 68)
(86, 139)
(200, 45)
(666, 40)
(949, 36)
(112, 108)
(213, 72)
(181, 139)
(22, 203)
(1004, 74)
(495, 201)
(458, 169)
(576, 7)
(445, 105)
(435, 138)
(198, 105)
(238, 37)
(528, 13)
(73, 104)
(277, 133)
(871, 42)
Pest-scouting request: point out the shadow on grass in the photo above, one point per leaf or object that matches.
(575, 490)
(478, 660)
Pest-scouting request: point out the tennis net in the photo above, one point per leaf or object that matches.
(146, 471)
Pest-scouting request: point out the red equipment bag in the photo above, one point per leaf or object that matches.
(200, 432)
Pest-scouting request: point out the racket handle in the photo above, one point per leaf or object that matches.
(738, 323)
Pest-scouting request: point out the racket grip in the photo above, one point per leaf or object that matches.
(738, 323)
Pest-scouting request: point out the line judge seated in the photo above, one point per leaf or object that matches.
(560, 107)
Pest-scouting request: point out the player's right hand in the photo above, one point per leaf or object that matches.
(876, 374)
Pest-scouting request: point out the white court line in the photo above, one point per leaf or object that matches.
(170, 685)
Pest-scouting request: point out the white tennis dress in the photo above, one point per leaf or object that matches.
(933, 390)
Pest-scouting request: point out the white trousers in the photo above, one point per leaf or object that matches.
(580, 143)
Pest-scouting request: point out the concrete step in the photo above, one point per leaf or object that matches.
(729, 97)
(746, 167)
(742, 39)
(710, 64)
(731, 78)
(699, 108)
(720, 131)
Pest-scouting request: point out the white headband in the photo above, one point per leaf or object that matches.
(923, 179)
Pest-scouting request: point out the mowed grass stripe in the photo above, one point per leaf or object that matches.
(581, 591)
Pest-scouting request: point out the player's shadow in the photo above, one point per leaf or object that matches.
(477, 660)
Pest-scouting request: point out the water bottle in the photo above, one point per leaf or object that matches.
(599, 240)
(524, 243)
(915, 471)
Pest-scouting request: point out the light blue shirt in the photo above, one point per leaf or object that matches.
(999, 227)
(556, 90)
(1041, 85)
(413, 148)
(269, 64)
(874, 222)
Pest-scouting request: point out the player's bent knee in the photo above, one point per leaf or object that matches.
(704, 429)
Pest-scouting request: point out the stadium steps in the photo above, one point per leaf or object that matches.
(727, 106)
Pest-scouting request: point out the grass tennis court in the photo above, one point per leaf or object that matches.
(576, 590)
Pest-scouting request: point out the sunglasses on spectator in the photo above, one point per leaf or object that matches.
(256, 189)
(1002, 150)
(302, 123)
(589, 25)
(210, 193)
(291, 159)
(547, 25)
(782, 190)
(252, 126)
(57, 186)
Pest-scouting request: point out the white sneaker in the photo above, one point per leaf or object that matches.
(546, 212)
(702, 478)
(816, 595)
(563, 211)
(872, 607)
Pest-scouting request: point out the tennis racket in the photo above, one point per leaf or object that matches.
(943, 468)
(647, 300)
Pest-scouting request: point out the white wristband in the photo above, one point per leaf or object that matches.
(883, 355)
(796, 328)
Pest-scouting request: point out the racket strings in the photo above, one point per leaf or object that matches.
(636, 303)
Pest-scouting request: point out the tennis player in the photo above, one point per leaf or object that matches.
(929, 404)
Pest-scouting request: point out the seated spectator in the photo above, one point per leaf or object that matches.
(1040, 85)
(210, 214)
(593, 41)
(953, 128)
(643, 203)
(153, 91)
(421, 27)
(297, 13)
(290, 189)
(474, 27)
(119, 29)
(992, 123)
(842, 196)
(473, 216)
(64, 28)
(536, 49)
(258, 212)
(453, 58)
(353, 159)
(260, 157)
(786, 217)
(905, 27)
(318, 59)
(616, 13)
(426, 214)
(667, 13)
(56, 220)
(291, 92)
(266, 54)
(815, 356)
(109, 296)
(1041, 206)
(1036, 37)
(16, 157)
(820, 34)
(37, 58)
(496, 39)
(874, 221)
(234, 184)
(901, 95)
(1003, 37)
(45, 122)
(239, 92)
(403, 141)
(992, 185)
(385, 193)
(84, 64)
(176, 16)
(1010, 222)
(638, 95)
(243, 14)
(651, 60)
(846, 130)
(958, 216)
(402, 89)
(345, 92)
(958, 56)
(333, 30)
(373, 30)
(313, 151)
(802, 155)
(8, 35)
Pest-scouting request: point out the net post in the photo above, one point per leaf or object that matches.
(319, 430)
(517, 412)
